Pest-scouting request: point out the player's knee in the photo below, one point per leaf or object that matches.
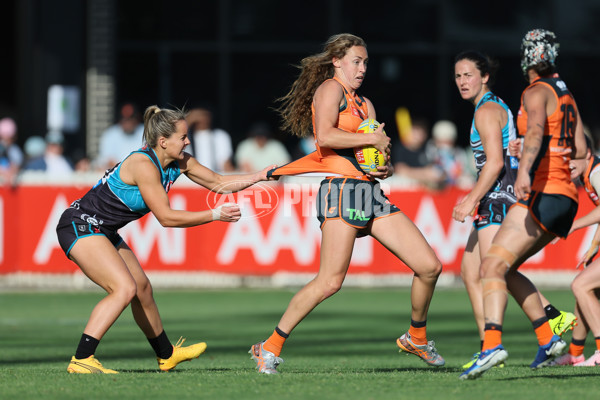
(497, 261)
(470, 278)
(125, 291)
(437, 269)
(144, 289)
(579, 287)
(433, 270)
(131, 293)
(430, 273)
(492, 267)
(332, 286)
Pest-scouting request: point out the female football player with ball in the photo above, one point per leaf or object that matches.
(324, 100)
(87, 232)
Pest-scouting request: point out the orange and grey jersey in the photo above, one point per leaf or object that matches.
(332, 162)
(350, 115)
(550, 172)
(586, 179)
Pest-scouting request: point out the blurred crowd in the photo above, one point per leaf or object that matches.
(44, 157)
(425, 156)
(430, 158)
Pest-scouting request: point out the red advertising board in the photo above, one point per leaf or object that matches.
(278, 232)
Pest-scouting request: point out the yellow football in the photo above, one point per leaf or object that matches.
(368, 157)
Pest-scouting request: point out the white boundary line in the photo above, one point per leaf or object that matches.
(208, 280)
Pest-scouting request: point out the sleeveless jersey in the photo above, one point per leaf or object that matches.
(550, 172)
(506, 178)
(112, 203)
(332, 162)
(592, 168)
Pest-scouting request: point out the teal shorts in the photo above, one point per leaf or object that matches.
(71, 228)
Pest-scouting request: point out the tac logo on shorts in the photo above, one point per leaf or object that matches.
(356, 215)
(514, 163)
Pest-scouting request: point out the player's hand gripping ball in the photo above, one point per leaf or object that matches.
(368, 157)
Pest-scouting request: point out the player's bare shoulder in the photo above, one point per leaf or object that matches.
(137, 166)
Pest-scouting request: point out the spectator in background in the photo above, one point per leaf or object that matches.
(448, 157)
(35, 146)
(411, 160)
(11, 156)
(52, 161)
(210, 146)
(260, 150)
(81, 162)
(305, 146)
(122, 138)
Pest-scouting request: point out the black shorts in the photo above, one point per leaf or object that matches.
(493, 209)
(71, 228)
(354, 201)
(555, 213)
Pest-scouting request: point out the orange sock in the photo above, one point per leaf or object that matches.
(575, 350)
(544, 333)
(492, 338)
(597, 343)
(274, 343)
(418, 335)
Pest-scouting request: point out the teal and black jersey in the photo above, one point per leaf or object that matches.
(111, 203)
(507, 176)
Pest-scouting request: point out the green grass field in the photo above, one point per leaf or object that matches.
(344, 350)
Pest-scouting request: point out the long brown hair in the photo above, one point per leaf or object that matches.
(295, 108)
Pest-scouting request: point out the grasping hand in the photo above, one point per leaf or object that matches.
(514, 147)
(383, 171)
(382, 141)
(589, 255)
(464, 209)
(522, 186)
(262, 175)
(228, 212)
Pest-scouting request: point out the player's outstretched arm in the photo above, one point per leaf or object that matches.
(218, 183)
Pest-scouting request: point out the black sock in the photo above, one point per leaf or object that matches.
(551, 311)
(492, 327)
(162, 346)
(418, 324)
(87, 347)
(281, 333)
(578, 342)
(539, 322)
(481, 345)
